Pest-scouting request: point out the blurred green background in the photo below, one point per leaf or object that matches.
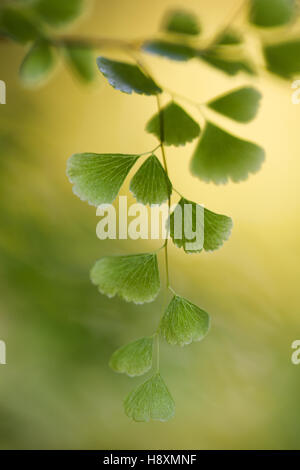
(238, 388)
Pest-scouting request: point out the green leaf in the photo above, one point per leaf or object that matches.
(241, 105)
(184, 322)
(37, 64)
(182, 22)
(151, 400)
(59, 12)
(135, 278)
(230, 67)
(217, 230)
(133, 359)
(210, 228)
(283, 58)
(269, 13)
(17, 25)
(127, 77)
(151, 185)
(220, 156)
(187, 226)
(81, 60)
(97, 178)
(177, 126)
(170, 50)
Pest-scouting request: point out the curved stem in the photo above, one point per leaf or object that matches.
(96, 42)
(167, 264)
(151, 151)
(144, 68)
(179, 194)
(225, 28)
(157, 351)
(172, 290)
(174, 94)
(161, 121)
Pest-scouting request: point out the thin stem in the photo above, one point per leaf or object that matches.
(178, 95)
(172, 290)
(232, 18)
(167, 264)
(162, 134)
(133, 45)
(161, 120)
(172, 93)
(164, 160)
(161, 145)
(157, 351)
(151, 151)
(201, 108)
(96, 42)
(179, 194)
(196, 105)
